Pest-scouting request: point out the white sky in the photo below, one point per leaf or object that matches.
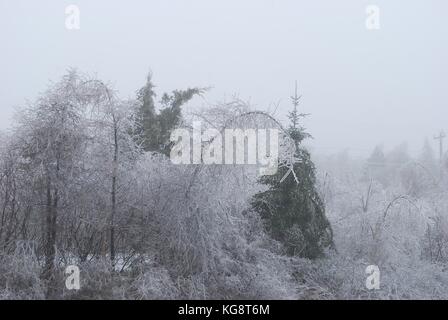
(362, 87)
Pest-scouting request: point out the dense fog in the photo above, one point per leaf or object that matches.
(331, 184)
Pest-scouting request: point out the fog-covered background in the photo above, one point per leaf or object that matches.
(362, 87)
(86, 124)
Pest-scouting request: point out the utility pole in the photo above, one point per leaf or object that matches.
(440, 137)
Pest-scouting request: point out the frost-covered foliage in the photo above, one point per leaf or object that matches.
(378, 219)
(20, 274)
(340, 277)
(76, 184)
(78, 188)
(205, 234)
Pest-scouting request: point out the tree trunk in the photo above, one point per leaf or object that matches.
(50, 238)
(113, 197)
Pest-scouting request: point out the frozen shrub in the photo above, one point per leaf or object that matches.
(96, 281)
(154, 283)
(20, 274)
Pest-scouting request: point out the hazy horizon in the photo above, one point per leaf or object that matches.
(362, 87)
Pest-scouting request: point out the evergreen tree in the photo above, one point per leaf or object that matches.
(398, 156)
(147, 128)
(376, 167)
(427, 157)
(153, 129)
(171, 114)
(292, 210)
(377, 158)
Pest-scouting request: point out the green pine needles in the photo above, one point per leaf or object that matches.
(292, 210)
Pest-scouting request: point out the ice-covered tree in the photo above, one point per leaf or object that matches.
(152, 129)
(51, 139)
(291, 208)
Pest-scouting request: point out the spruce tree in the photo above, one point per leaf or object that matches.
(153, 129)
(292, 210)
(171, 115)
(147, 127)
(427, 158)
